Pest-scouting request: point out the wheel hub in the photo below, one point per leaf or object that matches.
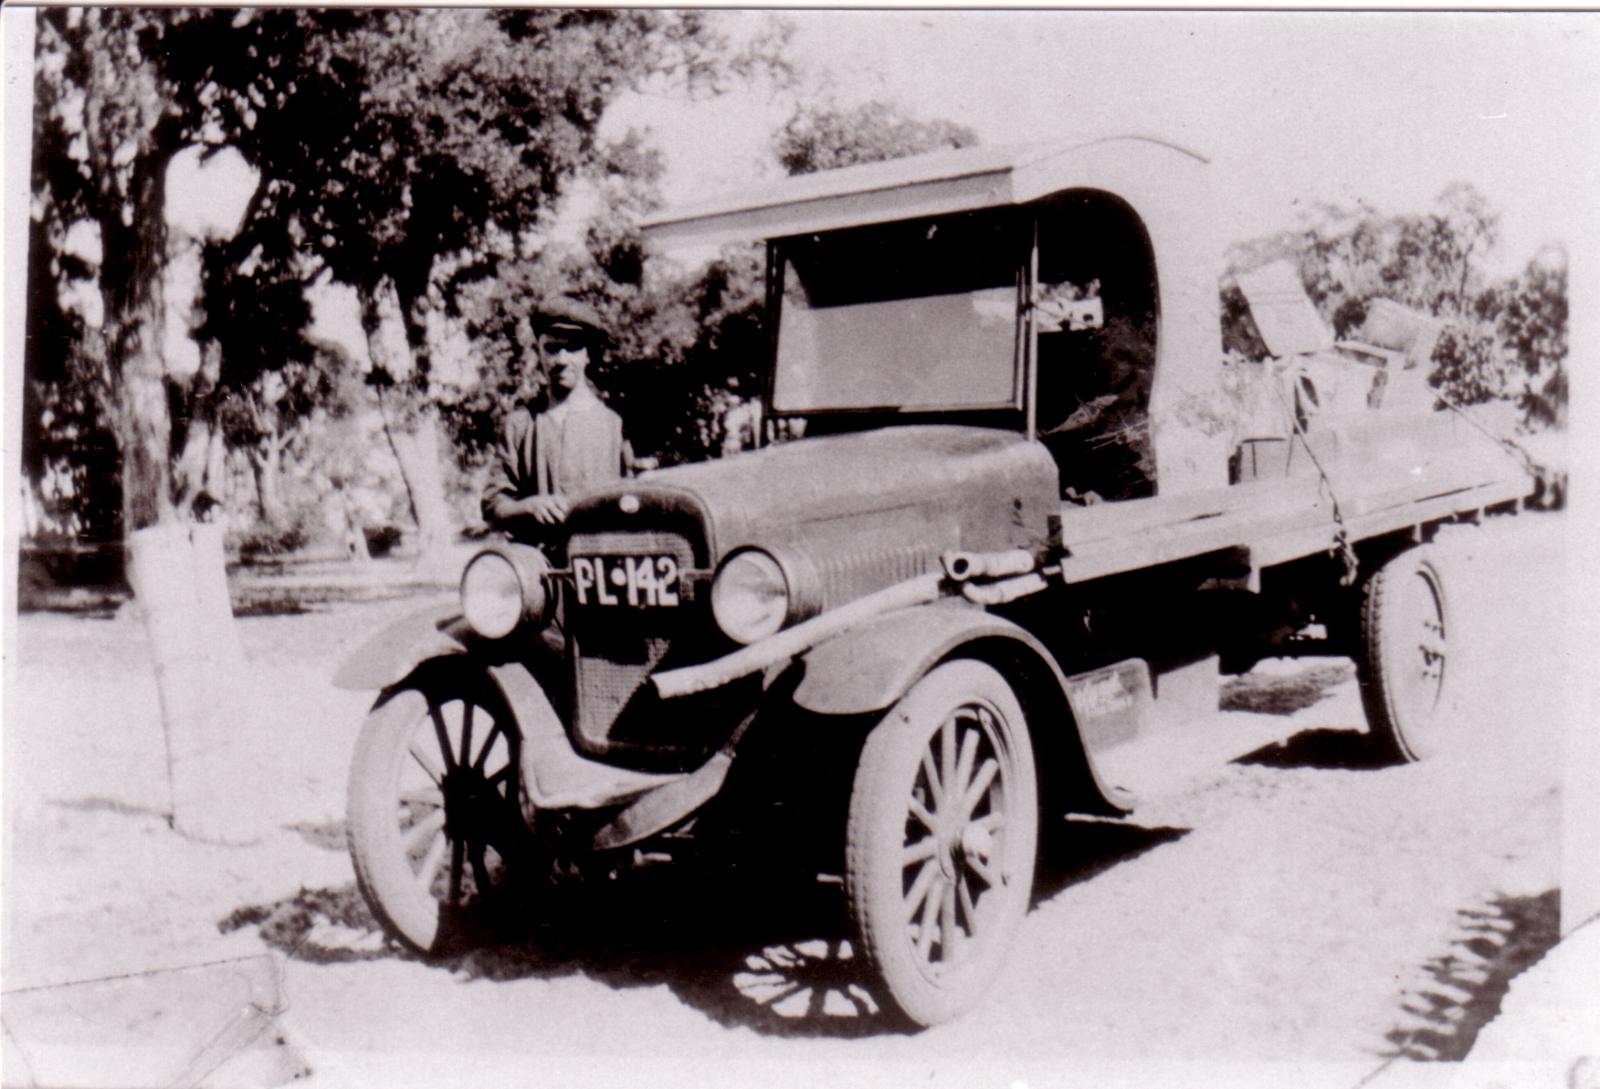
(959, 842)
(976, 842)
(947, 859)
(467, 795)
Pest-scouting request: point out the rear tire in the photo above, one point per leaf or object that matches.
(942, 836)
(1402, 665)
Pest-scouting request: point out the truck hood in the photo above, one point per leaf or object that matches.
(941, 486)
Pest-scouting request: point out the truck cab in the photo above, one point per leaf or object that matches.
(1014, 288)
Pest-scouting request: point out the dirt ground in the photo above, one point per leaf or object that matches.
(1306, 916)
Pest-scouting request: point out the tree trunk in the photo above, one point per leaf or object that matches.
(176, 568)
(355, 545)
(189, 470)
(266, 465)
(133, 236)
(416, 448)
(144, 428)
(180, 584)
(217, 485)
(198, 476)
(411, 424)
(197, 481)
(355, 534)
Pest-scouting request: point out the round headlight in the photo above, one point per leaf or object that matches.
(750, 596)
(491, 595)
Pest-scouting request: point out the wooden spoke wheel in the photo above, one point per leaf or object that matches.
(434, 821)
(1404, 663)
(943, 828)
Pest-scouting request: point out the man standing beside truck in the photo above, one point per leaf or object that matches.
(575, 444)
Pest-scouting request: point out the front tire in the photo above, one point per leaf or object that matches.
(942, 834)
(434, 820)
(1405, 685)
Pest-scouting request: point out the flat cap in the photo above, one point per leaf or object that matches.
(567, 314)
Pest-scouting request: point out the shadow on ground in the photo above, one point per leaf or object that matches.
(1469, 981)
(328, 835)
(1320, 747)
(1269, 694)
(1079, 849)
(742, 950)
(761, 950)
(100, 804)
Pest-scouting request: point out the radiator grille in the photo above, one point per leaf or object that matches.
(846, 576)
(615, 649)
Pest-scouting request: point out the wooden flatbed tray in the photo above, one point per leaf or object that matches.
(1373, 477)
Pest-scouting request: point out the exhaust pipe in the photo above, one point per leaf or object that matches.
(961, 566)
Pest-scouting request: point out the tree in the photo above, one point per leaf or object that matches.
(251, 323)
(470, 126)
(104, 139)
(264, 419)
(1497, 336)
(494, 287)
(69, 454)
(383, 142)
(672, 347)
(1532, 328)
(120, 95)
(828, 137)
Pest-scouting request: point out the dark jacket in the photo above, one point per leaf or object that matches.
(555, 453)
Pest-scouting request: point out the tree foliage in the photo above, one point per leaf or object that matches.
(828, 137)
(1502, 339)
(120, 92)
(689, 350)
(1531, 321)
(69, 454)
(472, 127)
(467, 129)
(404, 152)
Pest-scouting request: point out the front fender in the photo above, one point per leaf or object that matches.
(398, 648)
(868, 668)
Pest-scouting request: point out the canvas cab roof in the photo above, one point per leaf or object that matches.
(1151, 187)
(923, 185)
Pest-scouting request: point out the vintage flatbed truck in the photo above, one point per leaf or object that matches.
(990, 585)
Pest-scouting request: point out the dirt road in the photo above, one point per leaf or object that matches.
(1302, 917)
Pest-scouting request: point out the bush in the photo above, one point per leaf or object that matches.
(271, 544)
(382, 540)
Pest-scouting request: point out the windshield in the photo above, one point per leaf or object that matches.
(917, 315)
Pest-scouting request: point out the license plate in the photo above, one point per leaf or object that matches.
(636, 581)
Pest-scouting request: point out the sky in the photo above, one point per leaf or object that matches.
(1293, 108)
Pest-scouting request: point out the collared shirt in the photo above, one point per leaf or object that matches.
(579, 446)
(566, 450)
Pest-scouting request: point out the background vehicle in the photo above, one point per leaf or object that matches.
(991, 583)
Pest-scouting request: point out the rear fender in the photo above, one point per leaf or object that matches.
(868, 668)
(395, 650)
